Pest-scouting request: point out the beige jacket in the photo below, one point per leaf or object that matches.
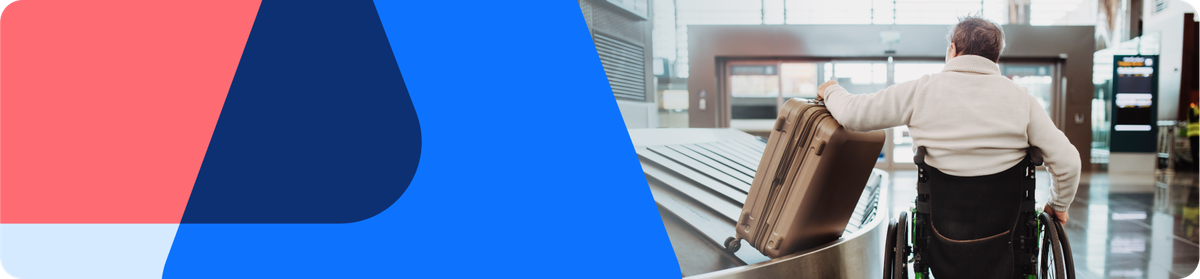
(972, 121)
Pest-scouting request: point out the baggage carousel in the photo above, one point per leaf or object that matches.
(700, 177)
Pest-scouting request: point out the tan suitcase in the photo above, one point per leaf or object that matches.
(810, 177)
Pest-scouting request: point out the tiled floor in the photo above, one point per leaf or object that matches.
(1121, 225)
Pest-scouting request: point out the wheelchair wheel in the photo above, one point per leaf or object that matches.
(1055, 261)
(899, 264)
(889, 246)
(1065, 244)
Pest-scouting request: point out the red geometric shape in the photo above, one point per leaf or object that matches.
(107, 107)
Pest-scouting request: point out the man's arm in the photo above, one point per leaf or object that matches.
(1062, 160)
(884, 109)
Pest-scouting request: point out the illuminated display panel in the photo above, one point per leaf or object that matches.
(1135, 88)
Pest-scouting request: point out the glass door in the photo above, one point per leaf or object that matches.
(754, 87)
(1039, 79)
(758, 88)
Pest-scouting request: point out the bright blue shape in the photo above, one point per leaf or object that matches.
(317, 126)
(526, 168)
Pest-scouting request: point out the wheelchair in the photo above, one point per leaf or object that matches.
(981, 229)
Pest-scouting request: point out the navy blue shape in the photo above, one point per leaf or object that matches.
(318, 126)
(492, 190)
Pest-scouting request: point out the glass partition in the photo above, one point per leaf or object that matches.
(799, 79)
(758, 88)
(1037, 78)
(754, 89)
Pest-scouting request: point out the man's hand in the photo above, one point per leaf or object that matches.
(1061, 216)
(821, 89)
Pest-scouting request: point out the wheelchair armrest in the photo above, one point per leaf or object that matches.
(1035, 156)
(919, 158)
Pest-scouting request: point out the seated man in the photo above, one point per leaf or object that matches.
(972, 120)
(976, 126)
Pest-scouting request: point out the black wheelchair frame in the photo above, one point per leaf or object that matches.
(1049, 258)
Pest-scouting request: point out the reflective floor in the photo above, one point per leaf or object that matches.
(1120, 225)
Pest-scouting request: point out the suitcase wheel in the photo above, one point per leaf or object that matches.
(733, 244)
